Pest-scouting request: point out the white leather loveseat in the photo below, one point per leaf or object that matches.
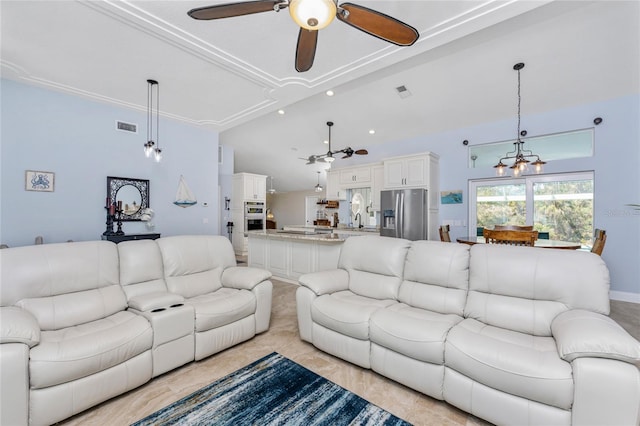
(83, 322)
(513, 335)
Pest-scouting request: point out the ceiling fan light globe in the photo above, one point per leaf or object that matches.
(312, 14)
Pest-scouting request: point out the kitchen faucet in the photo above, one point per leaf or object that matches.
(359, 217)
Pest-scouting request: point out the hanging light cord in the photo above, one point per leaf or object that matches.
(519, 102)
(149, 107)
(158, 111)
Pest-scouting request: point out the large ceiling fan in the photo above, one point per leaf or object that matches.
(313, 15)
(329, 156)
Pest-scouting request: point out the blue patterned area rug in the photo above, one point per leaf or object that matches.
(272, 391)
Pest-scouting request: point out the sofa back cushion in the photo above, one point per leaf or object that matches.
(141, 268)
(525, 288)
(193, 264)
(375, 265)
(64, 284)
(436, 277)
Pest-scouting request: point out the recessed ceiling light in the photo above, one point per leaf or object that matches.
(372, 132)
(329, 93)
(281, 111)
(325, 142)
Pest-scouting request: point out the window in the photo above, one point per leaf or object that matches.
(558, 205)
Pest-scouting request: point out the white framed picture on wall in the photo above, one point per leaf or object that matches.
(39, 181)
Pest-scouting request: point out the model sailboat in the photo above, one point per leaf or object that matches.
(184, 196)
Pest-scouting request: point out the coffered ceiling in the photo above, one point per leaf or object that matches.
(233, 75)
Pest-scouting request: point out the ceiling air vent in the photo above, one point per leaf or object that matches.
(403, 92)
(126, 127)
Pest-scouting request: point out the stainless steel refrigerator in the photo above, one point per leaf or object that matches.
(404, 214)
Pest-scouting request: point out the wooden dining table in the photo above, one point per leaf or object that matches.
(543, 243)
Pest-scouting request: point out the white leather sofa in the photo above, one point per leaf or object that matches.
(513, 335)
(83, 322)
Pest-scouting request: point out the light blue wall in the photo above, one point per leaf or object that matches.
(617, 177)
(225, 176)
(76, 138)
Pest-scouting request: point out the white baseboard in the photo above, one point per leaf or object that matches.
(624, 296)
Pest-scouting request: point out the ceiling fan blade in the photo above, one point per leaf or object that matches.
(362, 152)
(229, 10)
(306, 50)
(378, 24)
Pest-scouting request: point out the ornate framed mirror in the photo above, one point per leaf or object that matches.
(133, 193)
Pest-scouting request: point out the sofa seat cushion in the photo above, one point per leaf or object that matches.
(347, 313)
(516, 363)
(222, 307)
(414, 332)
(82, 350)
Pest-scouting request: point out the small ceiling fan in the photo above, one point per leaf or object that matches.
(328, 157)
(313, 15)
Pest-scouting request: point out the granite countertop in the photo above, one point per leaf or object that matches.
(339, 230)
(298, 235)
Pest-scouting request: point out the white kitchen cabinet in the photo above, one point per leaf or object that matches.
(377, 184)
(355, 176)
(409, 172)
(334, 190)
(288, 258)
(279, 257)
(248, 187)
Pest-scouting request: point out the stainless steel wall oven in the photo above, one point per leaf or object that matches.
(254, 215)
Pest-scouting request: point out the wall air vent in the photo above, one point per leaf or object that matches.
(403, 92)
(126, 127)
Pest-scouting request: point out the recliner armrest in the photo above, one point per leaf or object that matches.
(579, 333)
(326, 282)
(156, 300)
(18, 326)
(244, 278)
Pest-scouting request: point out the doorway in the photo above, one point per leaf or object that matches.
(311, 210)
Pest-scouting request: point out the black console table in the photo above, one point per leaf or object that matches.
(128, 237)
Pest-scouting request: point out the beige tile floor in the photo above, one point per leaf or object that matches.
(282, 337)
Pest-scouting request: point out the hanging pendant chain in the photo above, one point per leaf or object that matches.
(158, 111)
(519, 100)
(149, 108)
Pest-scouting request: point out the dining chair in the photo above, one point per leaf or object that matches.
(510, 237)
(600, 237)
(514, 227)
(444, 234)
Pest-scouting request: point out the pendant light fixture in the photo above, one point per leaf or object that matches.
(271, 189)
(318, 186)
(520, 155)
(328, 158)
(152, 147)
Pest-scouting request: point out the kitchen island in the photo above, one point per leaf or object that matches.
(289, 254)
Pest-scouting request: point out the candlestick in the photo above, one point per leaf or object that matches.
(119, 216)
(109, 223)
